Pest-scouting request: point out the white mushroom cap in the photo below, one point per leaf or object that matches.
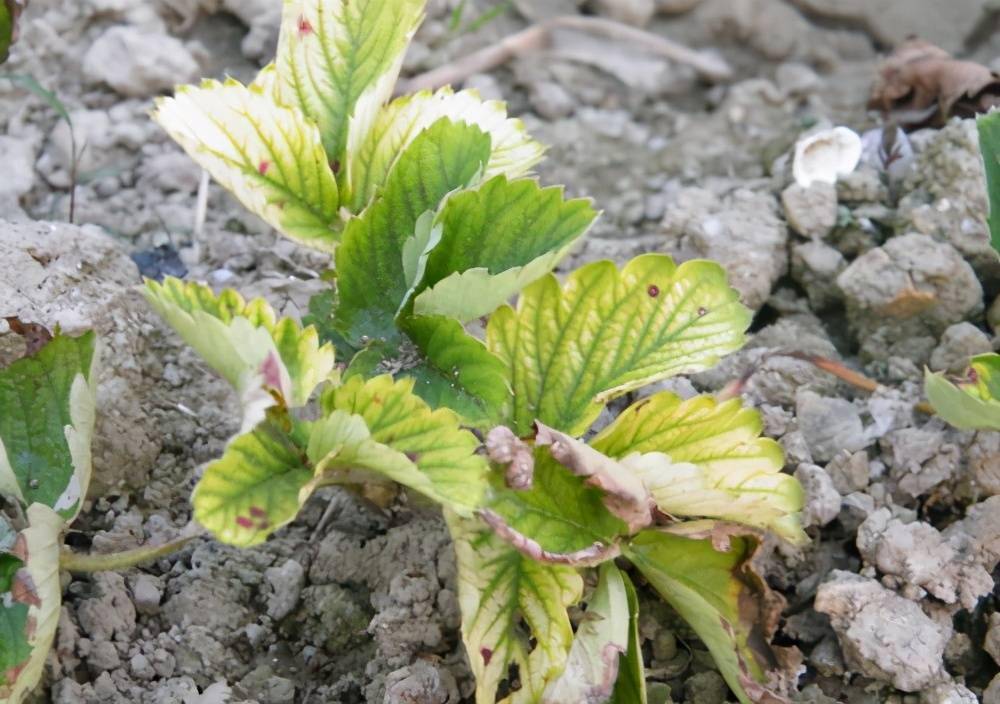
(824, 156)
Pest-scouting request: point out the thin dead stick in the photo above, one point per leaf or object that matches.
(536, 37)
(855, 379)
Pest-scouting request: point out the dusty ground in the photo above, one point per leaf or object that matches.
(894, 601)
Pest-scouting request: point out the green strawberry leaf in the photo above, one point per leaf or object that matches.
(258, 485)
(338, 63)
(989, 147)
(30, 598)
(601, 639)
(444, 157)
(513, 152)
(513, 613)
(442, 451)
(605, 332)
(630, 687)
(970, 405)
(719, 466)
(246, 343)
(47, 422)
(495, 240)
(718, 593)
(269, 156)
(456, 370)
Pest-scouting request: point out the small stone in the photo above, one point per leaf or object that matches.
(991, 695)
(18, 159)
(948, 693)
(705, 688)
(285, 583)
(826, 657)
(147, 591)
(984, 461)
(486, 85)
(829, 424)
(959, 342)
(822, 499)
(103, 657)
(991, 644)
(551, 100)
(138, 64)
(882, 635)
(816, 266)
(420, 682)
(993, 316)
(812, 211)
(267, 687)
(795, 78)
(849, 471)
(634, 12)
(141, 668)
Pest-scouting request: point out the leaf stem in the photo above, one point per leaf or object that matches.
(96, 562)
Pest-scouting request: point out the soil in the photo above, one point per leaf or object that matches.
(894, 600)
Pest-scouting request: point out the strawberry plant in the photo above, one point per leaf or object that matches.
(425, 206)
(973, 402)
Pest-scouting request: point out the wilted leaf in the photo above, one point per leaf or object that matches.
(47, 422)
(246, 343)
(513, 153)
(338, 63)
(29, 602)
(571, 348)
(721, 597)
(441, 159)
(920, 84)
(494, 241)
(718, 465)
(268, 155)
(600, 640)
(513, 612)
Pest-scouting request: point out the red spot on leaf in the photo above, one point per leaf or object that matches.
(335, 166)
(23, 589)
(413, 456)
(258, 512)
(270, 369)
(244, 522)
(487, 655)
(305, 26)
(653, 291)
(263, 166)
(702, 311)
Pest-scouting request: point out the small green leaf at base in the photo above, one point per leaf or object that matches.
(630, 687)
(47, 422)
(605, 332)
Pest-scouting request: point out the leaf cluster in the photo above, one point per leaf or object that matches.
(415, 369)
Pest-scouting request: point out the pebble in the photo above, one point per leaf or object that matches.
(829, 424)
(822, 498)
(811, 211)
(959, 342)
(634, 12)
(139, 64)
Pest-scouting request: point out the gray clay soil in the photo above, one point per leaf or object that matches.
(894, 599)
